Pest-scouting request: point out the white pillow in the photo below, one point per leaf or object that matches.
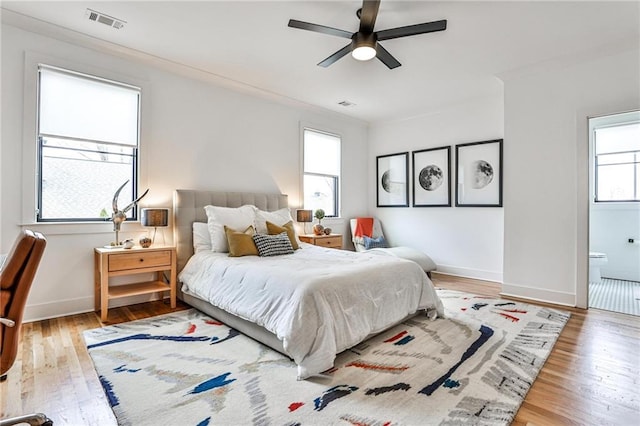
(278, 217)
(235, 218)
(201, 237)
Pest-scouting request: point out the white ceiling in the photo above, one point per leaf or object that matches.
(249, 42)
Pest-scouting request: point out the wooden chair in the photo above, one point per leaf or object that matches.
(16, 278)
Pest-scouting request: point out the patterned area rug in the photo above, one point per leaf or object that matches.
(474, 367)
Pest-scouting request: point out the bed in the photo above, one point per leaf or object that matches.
(309, 305)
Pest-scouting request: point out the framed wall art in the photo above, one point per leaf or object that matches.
(479, 174)
(392, 174)
(432, 177)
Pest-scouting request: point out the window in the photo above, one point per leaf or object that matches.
(617, 162)
(88, 138)
(321, 171)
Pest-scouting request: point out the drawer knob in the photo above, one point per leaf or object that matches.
(141, 260)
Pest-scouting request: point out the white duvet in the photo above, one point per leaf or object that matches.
(317, 301)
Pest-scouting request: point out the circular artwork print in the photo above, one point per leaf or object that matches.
(386, 181)
(390, 186)
(482, 174)
(431, 177)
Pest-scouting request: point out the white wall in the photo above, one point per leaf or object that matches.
(546, 168)
(464, 241)
(194, 135)
(610, 227)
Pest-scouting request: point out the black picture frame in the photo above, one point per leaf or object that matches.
(479, 174)
(432, 177)
(392, 180)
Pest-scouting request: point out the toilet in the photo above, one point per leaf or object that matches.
(596, 260)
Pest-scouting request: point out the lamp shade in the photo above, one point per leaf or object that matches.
(155, 217)
(304, 216)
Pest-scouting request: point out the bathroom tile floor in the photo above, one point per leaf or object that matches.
(615, 295)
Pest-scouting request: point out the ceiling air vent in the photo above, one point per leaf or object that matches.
(105, 19)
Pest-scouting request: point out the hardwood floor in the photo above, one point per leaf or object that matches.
(590, 378)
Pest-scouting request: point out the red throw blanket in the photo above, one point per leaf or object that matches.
(364, 226)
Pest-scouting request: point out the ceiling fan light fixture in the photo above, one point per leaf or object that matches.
(364, 53)
(364, 46)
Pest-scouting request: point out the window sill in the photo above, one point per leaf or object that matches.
(76, 228)
(330, 220)
(616, 205)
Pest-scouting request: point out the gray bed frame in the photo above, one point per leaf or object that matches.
(188, 207)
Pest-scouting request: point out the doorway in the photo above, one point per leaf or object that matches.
(614, 213)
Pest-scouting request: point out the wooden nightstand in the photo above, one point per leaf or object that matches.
(116, 262)
(331, 241)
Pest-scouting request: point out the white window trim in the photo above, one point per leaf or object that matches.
(602, 121)
(329, 131)
(29, 130)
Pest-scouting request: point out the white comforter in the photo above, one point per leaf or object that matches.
(318, 301)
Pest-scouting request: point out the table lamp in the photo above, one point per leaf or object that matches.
(155, 218)
(304, 216)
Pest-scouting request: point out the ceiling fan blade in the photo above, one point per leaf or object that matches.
(428, 27)
(386, 58)
(339, 54)
(319, 28)
(368, 15)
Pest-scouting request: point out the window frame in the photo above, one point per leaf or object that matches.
(613, 120)
(636, 171)
(337, 178)
(132, 215)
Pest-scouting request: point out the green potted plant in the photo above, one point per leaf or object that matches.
(318, 229)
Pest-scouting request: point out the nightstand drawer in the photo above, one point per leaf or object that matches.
(330, 241)
(139, 259)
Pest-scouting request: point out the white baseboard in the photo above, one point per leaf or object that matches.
(477, 274)
(62, 308)
(539, 295)
(58, 308)
(512, 290)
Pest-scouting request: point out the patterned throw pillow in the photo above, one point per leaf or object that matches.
(273, 245)
(379, 242)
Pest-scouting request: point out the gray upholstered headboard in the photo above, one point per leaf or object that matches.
(188, 207)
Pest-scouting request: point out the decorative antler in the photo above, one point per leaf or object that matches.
(133, 203)
(120, 216)
(114, 204)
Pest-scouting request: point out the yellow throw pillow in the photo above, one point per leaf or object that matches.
(241, 243)
(274, 229)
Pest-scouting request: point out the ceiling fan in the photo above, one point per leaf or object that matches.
(365, 43)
